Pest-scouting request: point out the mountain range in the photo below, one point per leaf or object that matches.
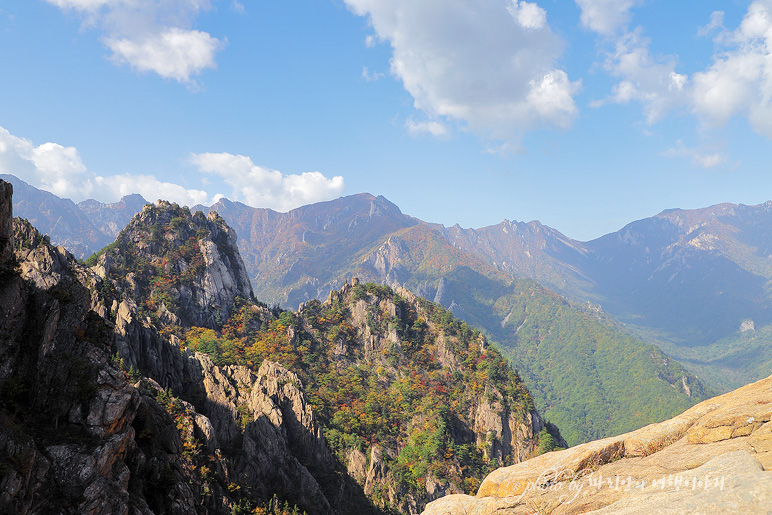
(691, 283)
(148, 379)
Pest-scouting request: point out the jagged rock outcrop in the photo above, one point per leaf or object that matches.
(714, 458)
(175, 264)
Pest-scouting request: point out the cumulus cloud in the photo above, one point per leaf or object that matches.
(152, 35)
(50, 166)
(262, 187)
(60, 170)
(739, 80)
(528, 15)
(651, 81)
(174, 54)
(500, 79)
(642, 77)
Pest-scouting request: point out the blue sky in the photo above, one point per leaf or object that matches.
(583, 114)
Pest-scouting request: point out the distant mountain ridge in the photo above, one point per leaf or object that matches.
(292, 256)
(691, 281)
(82, 228)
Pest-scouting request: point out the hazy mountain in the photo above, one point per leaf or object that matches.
(82, 228)
(698, 282)
(695, 275)
(109, 219)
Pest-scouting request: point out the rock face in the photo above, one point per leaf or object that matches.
(177, 266)
(67, 441)
(6, 222)
(713, 458)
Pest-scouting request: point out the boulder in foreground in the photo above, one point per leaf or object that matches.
(714, 458)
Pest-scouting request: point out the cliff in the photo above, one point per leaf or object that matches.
(713, 458)
(179, 268)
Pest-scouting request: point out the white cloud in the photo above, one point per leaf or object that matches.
(175, 54)
(649, 80)
(500, 79)
(528, 15)
(262, 187)
(606, 17)
(50, 166)
(700, 158)
(739, 81)
(152, 35)
(653, 82)
(552, 98)
(117, 186)
(60, 170)
(435, 128)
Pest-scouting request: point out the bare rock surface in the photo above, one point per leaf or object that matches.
(6, 222)
(714, 458)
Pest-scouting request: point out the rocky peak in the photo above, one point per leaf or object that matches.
(469, 400)
(101, 413)
(180, 267)
(381, 206)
